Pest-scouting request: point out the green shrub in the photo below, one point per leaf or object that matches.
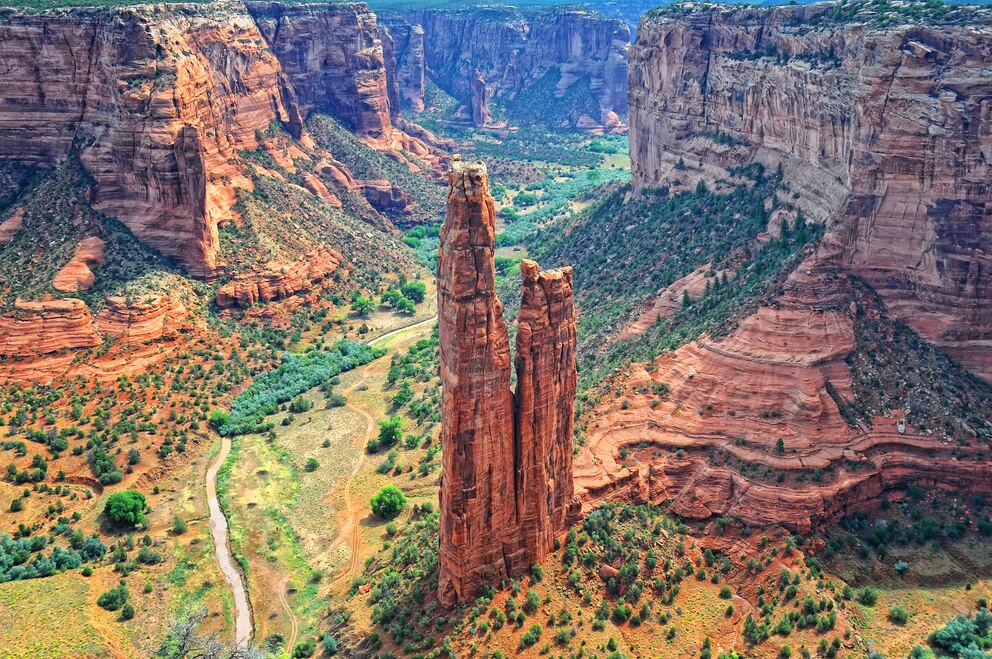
(898, 615)
(388, 502)
(113, 599)
(126, 508)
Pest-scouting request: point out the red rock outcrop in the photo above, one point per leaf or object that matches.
(505, 486)
(512, 52)
(545, 406)
(45, 326)
(477, 484)
(151, 318)
(10, 226)
(411, 78)
(278, 281)
(159, 103)
(700, 426)
(883, 132)
(77, 275)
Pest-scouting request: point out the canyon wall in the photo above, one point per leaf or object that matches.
(511, 52)
(883, 135)
(886, 134)
(158, 102)
(506, 488)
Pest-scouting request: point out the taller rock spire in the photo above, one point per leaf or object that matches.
(477, 485)
(506, 481)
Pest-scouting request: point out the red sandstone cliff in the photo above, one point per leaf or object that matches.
(512, 53)
(159, 101)
(884, 133)
(506, 485)
(879, 134)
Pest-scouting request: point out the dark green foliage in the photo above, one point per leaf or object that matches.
(608, 244)
(414, 290)
(367, 163)
(126, 508)
(388, 502)
(305, 649)
(538, 103)
(297, 373)
(898, 615)
(113, 599)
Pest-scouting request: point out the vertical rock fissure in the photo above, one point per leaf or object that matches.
(506, 486)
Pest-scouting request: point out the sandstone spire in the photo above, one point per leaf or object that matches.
(506, 481)
(477, 484)
(545, 405)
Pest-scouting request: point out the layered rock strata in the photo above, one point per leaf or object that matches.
(505, 485)
(707, 427)
(512, 52)
(885, 133)
(40, 327)
(278, 281)
(151, 318)
(159, 102)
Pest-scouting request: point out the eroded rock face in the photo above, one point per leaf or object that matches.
(480, 100)
(513, 52)
(77, 275)
(279, 281)
(158, 103)
(477, 485)
(505, 485)
(46, 326)
(150, 318)
(333, 57)
(411, 78)
(884, 133)
(545, 406)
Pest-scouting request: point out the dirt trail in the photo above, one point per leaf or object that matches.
(243, 624)
(294, 625)
(350, 528)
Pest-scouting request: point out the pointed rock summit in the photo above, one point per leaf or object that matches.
(506, 485)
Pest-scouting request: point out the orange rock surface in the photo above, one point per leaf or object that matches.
(10, 226)
(278, 281)
(779, 375)
(505, 487)
(545, 406)
(477, 484)
(44, 326)
(151, 318)
(77, 275)
(886, 145)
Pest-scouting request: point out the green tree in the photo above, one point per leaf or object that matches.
(113, 599)
(390, 431)
(178, 525)
(219, 418)
(311, 465)
(362, 305)
(126, 508)
(388, 502)
(414, 290)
